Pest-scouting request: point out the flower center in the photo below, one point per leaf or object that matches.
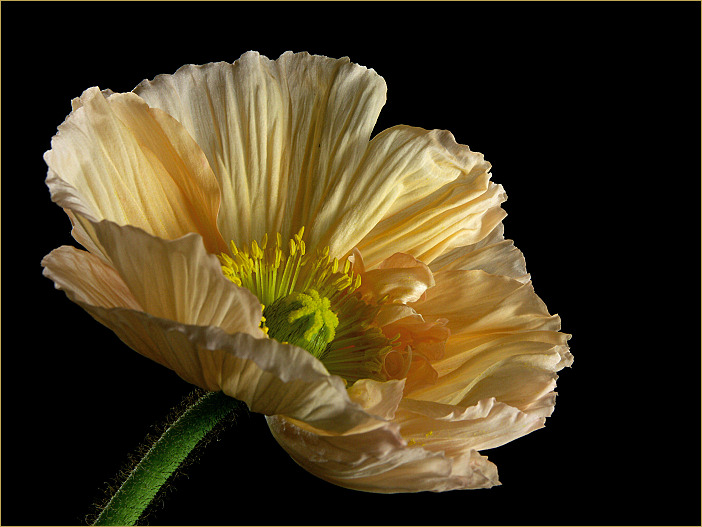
(309, 301)
(303, 319)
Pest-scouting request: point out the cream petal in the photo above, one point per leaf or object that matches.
(523, 381)
(421, 193)
(380, 461)
(456, 430)
(87, 279)
(283, 137)
(178, 279)
(117, 159)
(493, 254)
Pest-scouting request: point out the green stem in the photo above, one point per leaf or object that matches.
(164, 457)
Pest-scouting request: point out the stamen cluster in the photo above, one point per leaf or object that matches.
(357, 348)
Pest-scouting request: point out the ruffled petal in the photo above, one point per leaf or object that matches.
(420, 193)
(477, 302)
(455, 430)
(380, 461)
(503, 342)
(283, 137)
(398, 280)
(115, 158)
(493, 254)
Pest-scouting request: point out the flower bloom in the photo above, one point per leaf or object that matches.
(242, 229)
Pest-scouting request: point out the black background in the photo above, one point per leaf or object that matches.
(589, 114)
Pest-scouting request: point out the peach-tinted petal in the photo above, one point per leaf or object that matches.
(117, 159)
(399, 279)
(389, 313)
(493, 254)
(426, 338)
(520, 368)
(503, 342)
(283, 137)
(380, 461)
(425, 342)
(420, 373)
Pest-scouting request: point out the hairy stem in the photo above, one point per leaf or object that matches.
(164, 457)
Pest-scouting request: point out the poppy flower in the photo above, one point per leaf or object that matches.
(242, 228)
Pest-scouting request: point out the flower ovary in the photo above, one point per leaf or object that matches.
(302, 319)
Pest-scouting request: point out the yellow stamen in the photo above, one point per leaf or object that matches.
(311, 303)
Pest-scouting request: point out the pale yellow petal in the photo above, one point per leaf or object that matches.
(380, 461)
(117, 159)
(283, 137)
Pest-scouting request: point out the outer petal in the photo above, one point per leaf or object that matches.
(380, 461)
(115, 158)
(87, 279)
(178, 279)
(272, 378)
(283, 137)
